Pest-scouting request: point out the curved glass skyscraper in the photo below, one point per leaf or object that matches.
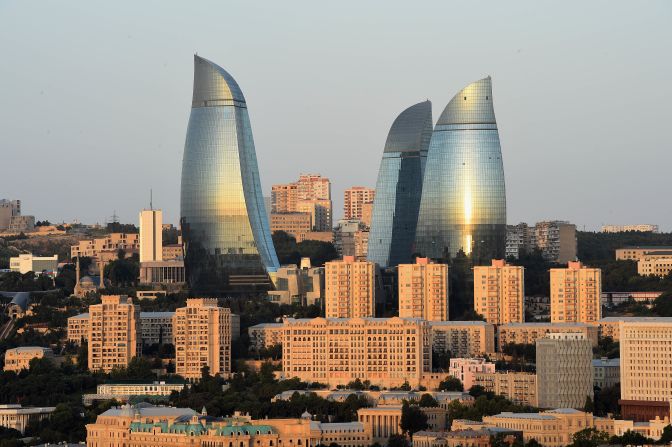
(225, 229)
(463, 196)
(399, 187)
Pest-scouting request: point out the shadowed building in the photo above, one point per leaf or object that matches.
(399, 187)
(463, 204)
(225, 228)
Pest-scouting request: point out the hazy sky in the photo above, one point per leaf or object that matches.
(95, 97)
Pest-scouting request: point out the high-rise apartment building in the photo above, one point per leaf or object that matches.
(557, 240)
(354, 198)
(202, 334)
(564, 370)
(386, 351)
(519, 239)
(113, 333)
(463, 205)
(310, 194)
(575, 294)
(151, 235)
(350, 288)
(499, 292)
(423, 290)
(646, 368)
(399, 187)
(225, 228)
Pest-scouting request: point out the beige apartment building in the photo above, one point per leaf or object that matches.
(350, 288)
(202, 334)
(78, 328)
(423, 290)
(386, 351)
(284, 198)
(463, 338)
(528, 333)
(151, 235)
(148, 426)
(310, 194)
(265, 335)
(106, 248)
(114, 333)
(646, 368)
(19, 358)
(294, 224)
(154, 327)
(635, 253)
(655, 264)
(518, 387)
(499, 292)
(564, 371)
(354, 200)
(298, 285)
(575, 294)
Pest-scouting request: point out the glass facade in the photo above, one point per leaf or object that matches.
(463, 202)
(225, 228)
(399, 187)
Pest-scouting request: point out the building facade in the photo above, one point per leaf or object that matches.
(17, 417)
(169, 272)
(640, 228)
(463, 205)
(298, 285)
(564, 370)
(17, 359)
(399, 187)
(113, 333)
(26, 262)
(225, 228)
(576, 292)
(202, 334)
(638, 252)
(350, 288)
(465, 369)
(354, 198)
(518, 387)
(528, 333)
(499, 292)
(386, 351)
(156, 327)
(606, 372)
(151, 235)
(463, 338)
(423, 290)
(310, 194)
(265, 335)
(655, 264)
(297, 225)
(557, 240)
(8, 209)
(106, 248)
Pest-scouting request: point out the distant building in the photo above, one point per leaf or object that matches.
(528, 333)
(423, 290)
(575, 294)
(499, 292)
(606, 372)
(156, 327)
(646, 365)
(294, 285)
(555, 239)
(78, 328)
(296, 225)
(123, 392)
(350, 288)
(105, 249)
(17, 359)
(202, 334)
(337, 351)
(463, 338)
(641, 228)
(655, 264)
(465, 369)
(265, 335)
(564, 370)
(616, 298)
(8, 209)
(354, 199)
(26, 262)
(21, 224)
(310, 194)
(151, 235)
(461, 438)
(351, 238)
(163, 272)
(638, 252)
(113, 333)
(18, 417)
(518, 387)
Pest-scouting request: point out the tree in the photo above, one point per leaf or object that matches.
(440, 360)
(451, 384)
(666, 436)
(412, 419)
(662, 305)
(427, 401)
(532, 443)
(588, 407)
(397, 441)
(631, 438)
(589, 437)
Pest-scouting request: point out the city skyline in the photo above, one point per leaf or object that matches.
(617, 48)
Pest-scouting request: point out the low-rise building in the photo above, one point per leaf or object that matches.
(384, 421)
(265, 335)
(518, 387)
(26, 262)
(606, 372)
(528, 333)
(163, 272)
(18, 417)
(641, 228)
(463, 338)
(17, 359)
(635, 253)
(123, 392)
(616, 298)
(655, 264)
(107, 248)
(465, 369)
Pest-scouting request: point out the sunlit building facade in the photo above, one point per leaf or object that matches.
(463, 205)
(399, 187)
(225, 228)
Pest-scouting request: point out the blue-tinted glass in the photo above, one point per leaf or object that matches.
(463, 203)
(228, 245)
(399, 187)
